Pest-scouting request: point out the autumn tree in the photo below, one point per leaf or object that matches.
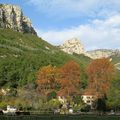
(100, 73)
(47, 79)
(69, 78)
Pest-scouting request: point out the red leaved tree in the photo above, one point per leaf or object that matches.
(100, 73)
(69, 79)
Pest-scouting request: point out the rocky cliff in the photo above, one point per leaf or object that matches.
(75, 46)
(11, 17)
(72, 46)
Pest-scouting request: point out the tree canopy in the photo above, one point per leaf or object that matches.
(100, 73)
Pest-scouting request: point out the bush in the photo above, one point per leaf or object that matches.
(51, 95)
(3, 105)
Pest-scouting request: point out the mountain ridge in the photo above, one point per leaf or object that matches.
(78, 48)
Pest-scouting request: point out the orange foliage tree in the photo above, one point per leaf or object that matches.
(69, 79)
(100, 73)
(47, 79)
(65, 81)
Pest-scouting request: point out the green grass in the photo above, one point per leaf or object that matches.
(115, 59)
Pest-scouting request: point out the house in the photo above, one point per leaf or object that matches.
(88, 99)
(10, 109)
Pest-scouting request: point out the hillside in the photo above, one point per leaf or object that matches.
(116, 62)
(99, 53)
(115, 59)
(21, 55)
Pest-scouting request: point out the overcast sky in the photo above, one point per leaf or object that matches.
(95, 22)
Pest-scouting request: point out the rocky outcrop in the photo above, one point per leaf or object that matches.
(72, 46)
(100, 53)
(75, 46)
(11, 17)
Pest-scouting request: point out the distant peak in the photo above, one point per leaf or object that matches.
(73, 40)
(73, 45)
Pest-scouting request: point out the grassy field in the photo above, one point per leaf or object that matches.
(60, 117)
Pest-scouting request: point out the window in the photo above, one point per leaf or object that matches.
(88, 101)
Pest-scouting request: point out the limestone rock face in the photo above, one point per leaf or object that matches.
(100, 53)
(73, 46)
(11, 17)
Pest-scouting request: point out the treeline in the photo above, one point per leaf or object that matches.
(67, 81)
(70, 81)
